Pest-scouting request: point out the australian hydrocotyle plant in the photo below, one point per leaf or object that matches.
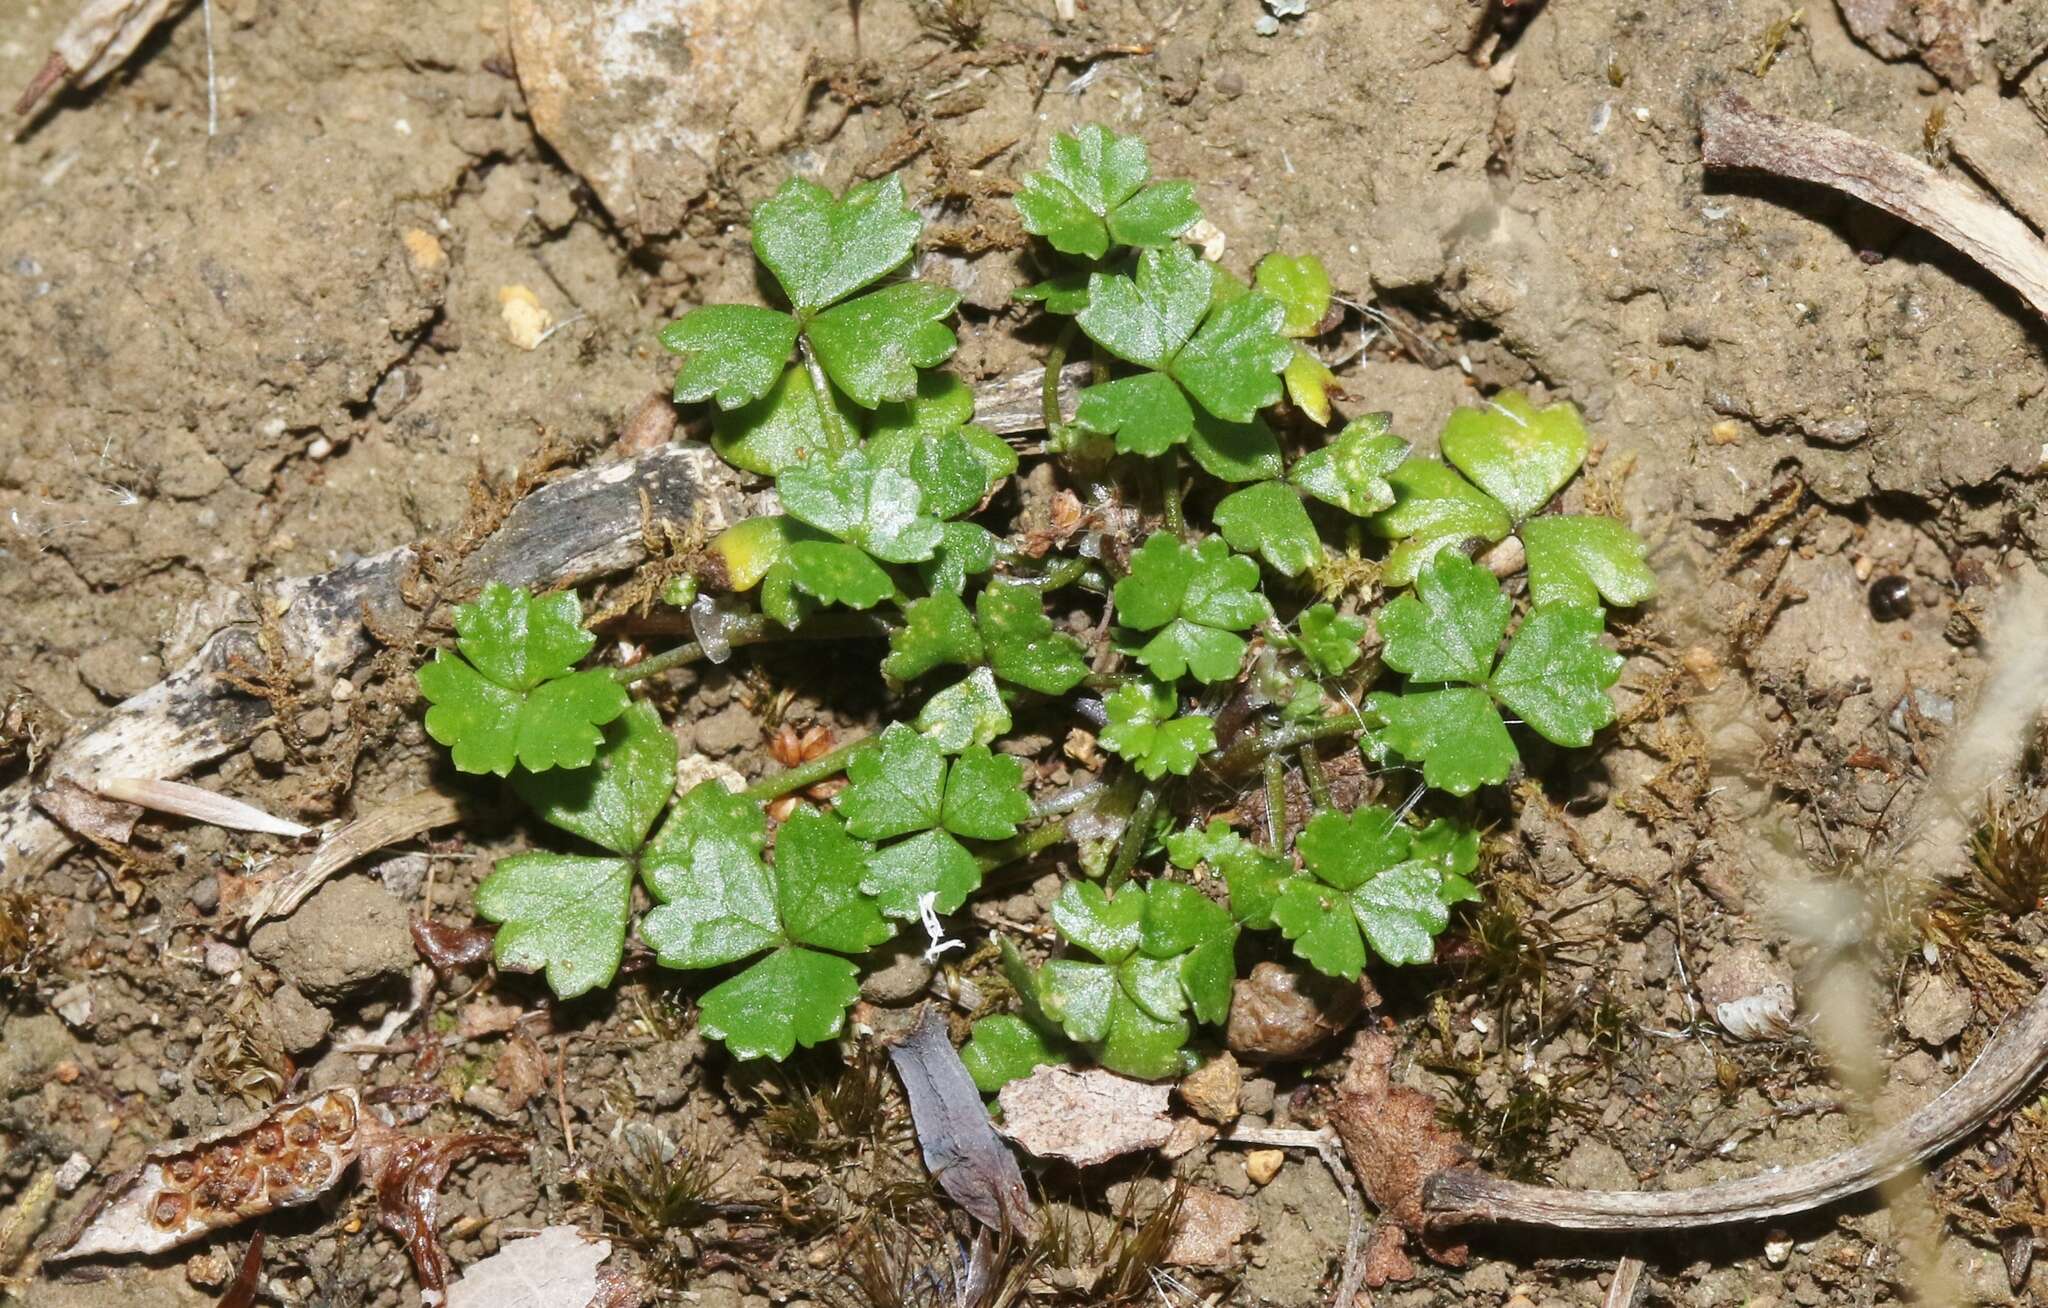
(1230, 592)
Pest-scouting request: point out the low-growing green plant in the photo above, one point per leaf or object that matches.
(1242, 628)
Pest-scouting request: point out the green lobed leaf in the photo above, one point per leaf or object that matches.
(1223, 589)
(1148, 318)
(943, 403)
(1004, 1048)
(818, 870)
(1150, 595)
(1318, 919)
(822, 249)
(957, 469)
(895, 785)
(1093, 191)
(1583, 560)
(489, 727)
(1455, 732)
(1182, 647)
(1556, 672)
(792, 997)
(876, 508)
(1346, 850)
(1328, 640)
(1449, 628)
(1109, 927)
(1235, 451)
(1433, 508)
(1079, 996)
(1147, 413)
(747, 550)
(834, 572)
(1143, 731)
(872, 347)
(1064, 293)
(1402, 911)
(985, 796)
(1251, 875)
(937, 630)
(717, 899)
(783, 428)
(1516, 453)
(615, 800)
(1137, 1044)
(1267, 519)
(1197, 934)
(732, 353)
(898, 876)
(968, 712)
(561, 913)
(1022, 645)
(1301, 287)
(1351, 471)
(1232, 364)
(966, 549)
(520, 640)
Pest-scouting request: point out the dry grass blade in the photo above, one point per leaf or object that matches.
(199, 804)
(414, 815)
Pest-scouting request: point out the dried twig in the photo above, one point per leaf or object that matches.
(1629, 1285)
(387, 825)
(2010, 1062)
(1735, 136)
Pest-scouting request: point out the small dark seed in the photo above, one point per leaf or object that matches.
(1891, 598)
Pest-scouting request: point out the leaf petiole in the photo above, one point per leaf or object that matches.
(838, 435)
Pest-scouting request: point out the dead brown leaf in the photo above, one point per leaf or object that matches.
(1210, 1226)
(1391, 1136)
(1085, 1115)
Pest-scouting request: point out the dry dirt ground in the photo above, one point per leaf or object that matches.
(235, 357)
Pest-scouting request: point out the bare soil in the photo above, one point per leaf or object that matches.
(237, 357)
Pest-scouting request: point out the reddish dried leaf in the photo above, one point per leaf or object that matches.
(449, 949)
(1391, 1136)
(408, 1175)
(242, 1294)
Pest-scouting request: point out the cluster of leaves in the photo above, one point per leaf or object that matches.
(882, 476)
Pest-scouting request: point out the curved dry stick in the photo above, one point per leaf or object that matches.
(2008, 1064)
(1735, 136)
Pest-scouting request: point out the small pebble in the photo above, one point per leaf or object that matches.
(319, 449)
(1262, 1165)
(73, 1173)
(315, 723)
(1891, 598)
(204, 896)
(1777, 1248)
(222, 958)
(343, 690)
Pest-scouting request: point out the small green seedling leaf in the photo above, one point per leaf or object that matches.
(1434, 508)
(985, 795)
(823, 249)
(876, 508)
(1456, 733)
(1127, 1008)
(1301, 287)
(562, 913)
(1516, 453)
(792, 997)
(717, 897)
(1328, 640)
(966, 549)
(1365, 885)
(832, 572)
(1022, 646)
(1185, 926)
(1143, 731)
(958, 469)
(933, 863)
(1250, 874)
(732, 353)
(1194, 599)
(615, 800)
(1556, 672)
(1309, 382)
(1235, 451)
(1148, 318)
(872, 347)
(1092, 192)
(1351, 471)
(818, 869)
(943, 403)
(511, 696)
(1268, 520)
(778, 431)
(1004, 1048)
(968, 712)
(1147, 413)
(937, 630)
(1063, 293)
(894, 785)
(1450, 627)
(1584, 560)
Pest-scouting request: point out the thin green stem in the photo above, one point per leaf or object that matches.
(754, 629)
(1169, 491)
(1312, 773)
(805, 774)
(1135, 835)
(1049, 390)
(838, 434)
(1249, 750)
(1023, 846)
(1276, 803)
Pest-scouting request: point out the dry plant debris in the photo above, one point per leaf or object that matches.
(1085, 1115)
